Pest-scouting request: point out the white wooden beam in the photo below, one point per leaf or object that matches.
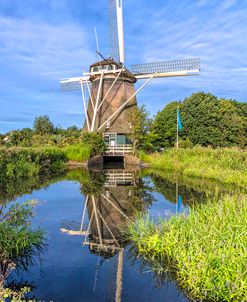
(121, 212)
(109, 90)
(97, 101)
(84, 212)
(90, 95)
(128, 100)
(97, 220)
(84, 106)
(181, 73)
(119, 5)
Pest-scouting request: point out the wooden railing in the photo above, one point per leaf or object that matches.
(117, 177)
(118, 150)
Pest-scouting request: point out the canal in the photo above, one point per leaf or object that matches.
(84, 214)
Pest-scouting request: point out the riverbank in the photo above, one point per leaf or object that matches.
(206, 251)
(18, 162)
(225, 165)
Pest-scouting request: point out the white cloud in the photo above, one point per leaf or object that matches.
(44, 50)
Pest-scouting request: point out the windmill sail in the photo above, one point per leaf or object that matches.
(115, 30)
(168, 68)
(71, 84)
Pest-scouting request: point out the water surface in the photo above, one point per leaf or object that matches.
(86, 258)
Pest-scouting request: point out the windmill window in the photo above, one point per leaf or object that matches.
(111, 67)
(95, 69)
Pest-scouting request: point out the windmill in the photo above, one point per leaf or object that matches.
(107, 211)
(108, 88)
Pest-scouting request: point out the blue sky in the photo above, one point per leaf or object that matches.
(42, 41)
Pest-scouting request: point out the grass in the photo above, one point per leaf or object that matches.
(22, 162)
(207, 250)
(19, 242)
(19, 162)
(77, 152)
(225, 165)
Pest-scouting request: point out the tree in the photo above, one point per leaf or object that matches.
(21, 137)
(95, 141)
(207, 121)
(163, 131)
(43, 125)
(140, 127)
(212, 121)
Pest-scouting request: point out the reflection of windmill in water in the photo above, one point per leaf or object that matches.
(112, 95)
(109, 202)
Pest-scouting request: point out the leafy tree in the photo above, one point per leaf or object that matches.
(43, 125)
(21, 138)
(212, 121)
(163, 132)
(206, 119)
(140, 124)
(95, 141)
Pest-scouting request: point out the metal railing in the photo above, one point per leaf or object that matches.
(118, 150)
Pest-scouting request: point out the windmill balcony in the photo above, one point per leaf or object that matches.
(119, 150)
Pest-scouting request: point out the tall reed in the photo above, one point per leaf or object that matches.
(207, 250)
(226, 165)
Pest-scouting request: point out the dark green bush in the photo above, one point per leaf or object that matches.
(95, 140)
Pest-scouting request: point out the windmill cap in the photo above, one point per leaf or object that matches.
(107, 62)
(126, 73)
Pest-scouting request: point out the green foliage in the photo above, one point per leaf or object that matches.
(226, 165)
(95, 184)
(206, 250)
(21, 138)
(140, 123)
(15, 295)
(78, 152)
(207, 121)
(43, 125)
(95, 141)
(28, 162)
(164, 129)
(18, 240)
(185, 144)
(19, 243)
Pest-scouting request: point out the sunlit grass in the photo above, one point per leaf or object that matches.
(78, 152)
(228, 166)
(207, 249)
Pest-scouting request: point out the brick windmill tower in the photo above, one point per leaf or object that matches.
(108, 90)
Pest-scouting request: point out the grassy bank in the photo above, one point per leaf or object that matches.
(28, 162)
(78, 152)
(206, 250)
(17, 162)
(228, 166)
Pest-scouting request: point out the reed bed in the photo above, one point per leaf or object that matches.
(19, 162)
(225, 165)
(207, 250)
(77, 152)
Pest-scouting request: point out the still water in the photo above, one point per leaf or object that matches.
(86, 259)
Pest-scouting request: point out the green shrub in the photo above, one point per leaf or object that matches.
(19, 162)
(96, 142)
